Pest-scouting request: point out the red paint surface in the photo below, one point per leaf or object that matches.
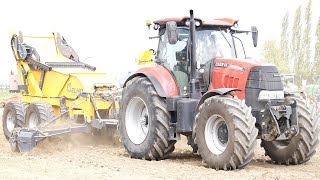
(223, 77)
(227, 20)
(163, 76)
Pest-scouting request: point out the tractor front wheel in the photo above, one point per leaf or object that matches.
(225, 133)
(302, 146)
(144, 121)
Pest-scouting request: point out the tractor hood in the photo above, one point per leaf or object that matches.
(236, 73)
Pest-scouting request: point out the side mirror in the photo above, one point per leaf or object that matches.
(171, 28)
(254, 32)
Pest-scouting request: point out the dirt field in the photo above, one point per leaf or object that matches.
(83, 157)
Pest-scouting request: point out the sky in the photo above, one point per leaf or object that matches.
(114, 32)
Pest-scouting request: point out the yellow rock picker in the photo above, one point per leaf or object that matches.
(59, 94)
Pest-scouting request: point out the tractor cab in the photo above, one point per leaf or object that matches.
(214, 39)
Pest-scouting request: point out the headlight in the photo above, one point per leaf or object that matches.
(264, 94)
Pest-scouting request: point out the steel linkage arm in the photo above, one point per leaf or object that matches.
(25, 139)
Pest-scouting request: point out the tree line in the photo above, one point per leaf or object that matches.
(293, 54)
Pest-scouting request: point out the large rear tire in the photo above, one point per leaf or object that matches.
(144, 121)
(13, 117)
(225, 133)
(38, 113)
(301, 147)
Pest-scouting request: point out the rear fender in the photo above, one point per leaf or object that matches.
(152, 79)
(162, 80)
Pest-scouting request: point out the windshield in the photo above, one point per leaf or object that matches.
(210, 44)
(213, 44)
(244, 46)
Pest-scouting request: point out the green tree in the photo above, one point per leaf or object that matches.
(316, 66)
(284, 44)
(296, 52)
(306, 43)
(273, 54)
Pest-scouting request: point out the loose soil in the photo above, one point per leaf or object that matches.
(85, 156)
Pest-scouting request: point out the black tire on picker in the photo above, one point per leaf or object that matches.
(301, 147)
(225, 133)
(144, 121)
(38, 113)
(13, 117)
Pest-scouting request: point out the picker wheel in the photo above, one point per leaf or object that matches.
(37, 113)
(13, 117)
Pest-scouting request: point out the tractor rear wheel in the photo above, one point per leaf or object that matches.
(225, 133)
(38, 113)
(144, 121)
(13, 117)
(301, 147)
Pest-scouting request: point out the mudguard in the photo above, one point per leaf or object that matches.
(219, 91)
(153, 80)
(160, 77)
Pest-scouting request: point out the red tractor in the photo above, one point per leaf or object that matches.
(198, 87)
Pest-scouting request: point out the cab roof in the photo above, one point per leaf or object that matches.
(219, 22)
